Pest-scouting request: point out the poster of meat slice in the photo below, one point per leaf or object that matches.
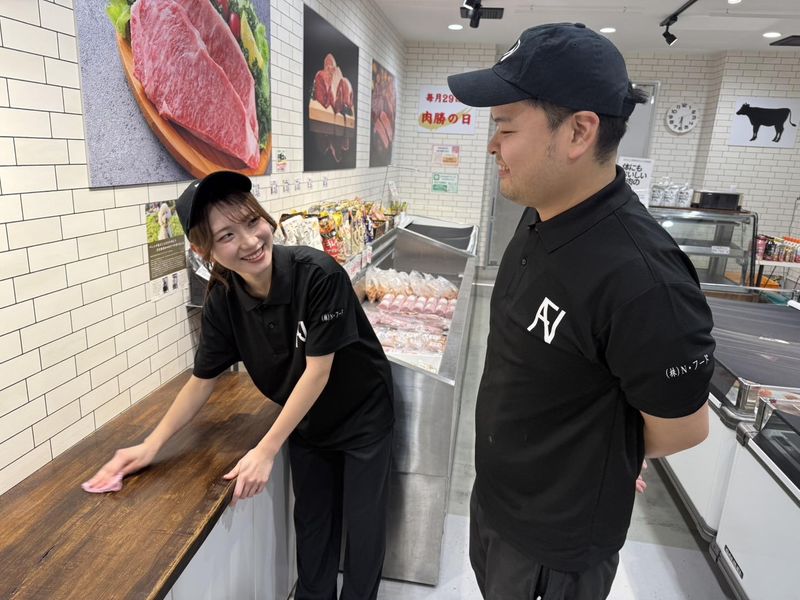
(382, 120)
(330, 78)
(174, 89)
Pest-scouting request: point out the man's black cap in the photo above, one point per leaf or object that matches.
(566, 64)
(189, 204)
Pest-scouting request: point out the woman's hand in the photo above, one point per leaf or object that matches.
(251, 473)
(125, 461)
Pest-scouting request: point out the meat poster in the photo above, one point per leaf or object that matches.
(382, 118)
(174, 89)
(765, 122)
(330, 78)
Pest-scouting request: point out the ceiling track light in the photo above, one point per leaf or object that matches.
(669, 37)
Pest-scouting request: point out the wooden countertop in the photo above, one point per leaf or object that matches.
(57, 541)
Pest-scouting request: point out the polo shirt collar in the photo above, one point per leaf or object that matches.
(281, 288)
(568, 225)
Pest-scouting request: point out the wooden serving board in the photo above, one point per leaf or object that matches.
(316, 112)
(192, 153)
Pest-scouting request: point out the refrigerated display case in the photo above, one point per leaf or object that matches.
(758, 352)
(720, 243)
(427, 399)
(756, 545)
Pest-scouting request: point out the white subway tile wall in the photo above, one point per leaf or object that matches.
(429, 64)
(767, 177)
(81, 340)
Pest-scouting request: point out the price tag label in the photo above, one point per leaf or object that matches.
(721, 250)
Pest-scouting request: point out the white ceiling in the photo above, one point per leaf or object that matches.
(708, 25)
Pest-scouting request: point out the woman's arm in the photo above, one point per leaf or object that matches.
(193, 395)
(253, 470)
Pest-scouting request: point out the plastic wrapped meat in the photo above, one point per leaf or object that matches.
(397, 303)
(386, 301)
(441, 307)
(430, 306)
(451, 308)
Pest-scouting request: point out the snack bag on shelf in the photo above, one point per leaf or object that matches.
(330, 242)
(291, 226)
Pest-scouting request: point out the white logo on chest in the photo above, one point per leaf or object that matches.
(301, 334)
(543, 315)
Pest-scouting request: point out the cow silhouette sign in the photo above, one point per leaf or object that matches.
(767, 117)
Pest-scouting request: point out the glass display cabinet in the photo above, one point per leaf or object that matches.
(720, 243)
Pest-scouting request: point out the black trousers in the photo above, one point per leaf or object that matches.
(505, 573)
(330, 484)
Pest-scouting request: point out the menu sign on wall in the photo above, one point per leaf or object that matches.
(440, 112)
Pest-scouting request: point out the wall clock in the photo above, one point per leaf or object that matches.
(682, 117)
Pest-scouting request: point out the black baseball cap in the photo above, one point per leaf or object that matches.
(566, 64)
(189, 204)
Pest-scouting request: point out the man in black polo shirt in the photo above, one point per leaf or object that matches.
(599, 349)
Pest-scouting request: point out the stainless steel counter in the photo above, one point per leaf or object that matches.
(427, 406)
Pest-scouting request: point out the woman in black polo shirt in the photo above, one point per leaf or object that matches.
(290, 314)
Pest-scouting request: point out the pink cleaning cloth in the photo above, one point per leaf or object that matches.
(114, 486)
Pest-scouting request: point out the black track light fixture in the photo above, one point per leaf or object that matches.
(474, 11)
(669, 37)
(670, 20)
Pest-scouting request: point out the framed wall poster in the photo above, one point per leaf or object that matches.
(440, 112)
(382, 116)
(165, 239)
(330, 81)
(765, 122)
(142, 65)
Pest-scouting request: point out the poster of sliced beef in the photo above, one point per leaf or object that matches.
(174, 89)
(382, 118)
(330, 81)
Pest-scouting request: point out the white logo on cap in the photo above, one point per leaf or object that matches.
(513, 49)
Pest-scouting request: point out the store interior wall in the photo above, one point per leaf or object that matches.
(430, 64)
(80, 339)
(767, 177)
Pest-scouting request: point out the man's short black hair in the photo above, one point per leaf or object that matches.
(610, 131)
